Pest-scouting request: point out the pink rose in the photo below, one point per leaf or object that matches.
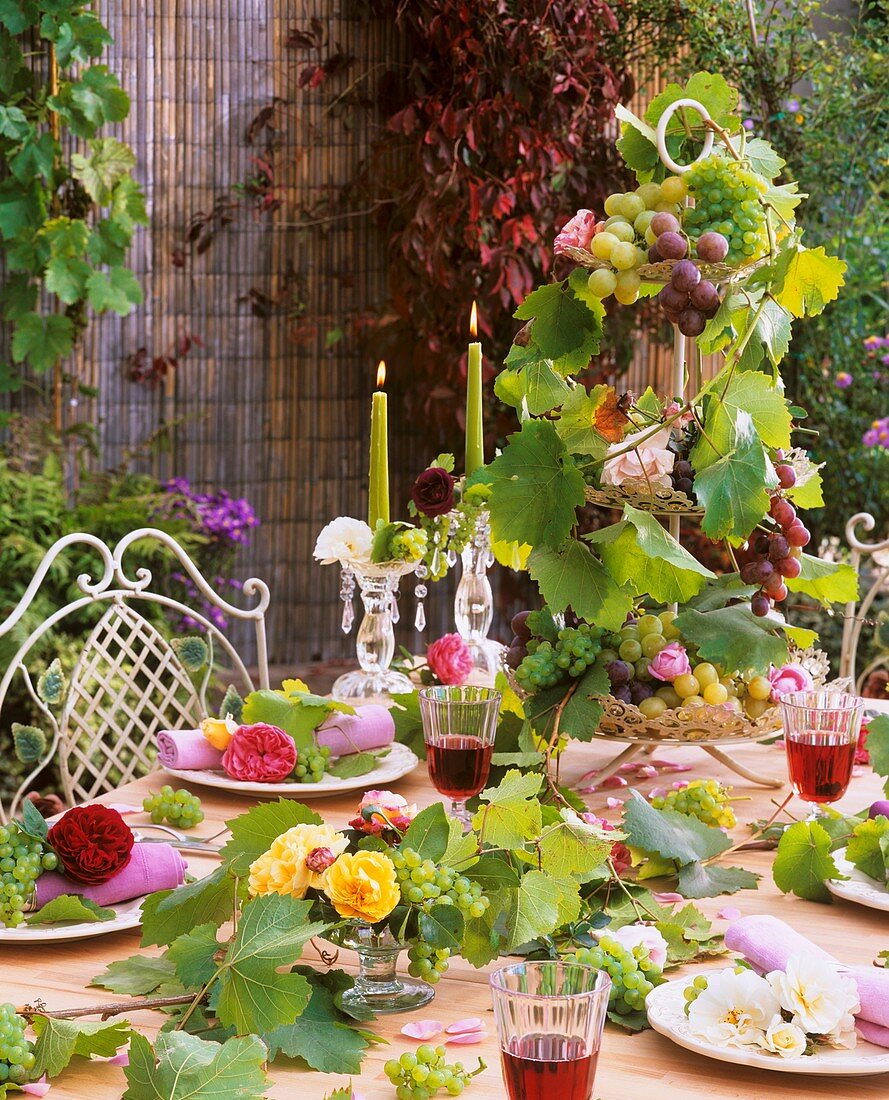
(396, 809)
(651, 459)
(260, 754)
(633, 934)
(450, 659)
(672, 661)
(788, 678)
(576, 233)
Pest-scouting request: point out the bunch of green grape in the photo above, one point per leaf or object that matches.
(16, 1053)
(693, 991)
(180, 808)
(23, 859)
(420, 1074)
(408, 544)
(424, 884)
(312, 764)
(426, 962)
(705, 799)
(633, 972)
(727, 200)
(545, 665)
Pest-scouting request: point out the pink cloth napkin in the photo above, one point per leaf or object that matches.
(151, 867)
(370, 727)
(186, 749)
(767, 943)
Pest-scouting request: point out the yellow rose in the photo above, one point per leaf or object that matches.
(298, 859)
(219, 731)
(363, 886)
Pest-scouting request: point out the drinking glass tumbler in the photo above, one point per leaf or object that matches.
(459, 725)
(821, 735)
(549, 1021)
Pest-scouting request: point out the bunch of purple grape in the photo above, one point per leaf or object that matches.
(778, 553)
(687, 300)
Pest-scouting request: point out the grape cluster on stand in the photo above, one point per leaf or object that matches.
(180, 808)
(16, 1053)
(311, 764)
(705, 799)
(23, 859)
(632, 971)
(541, 662)
(727, 201)
(776, 554)
(420, 1074)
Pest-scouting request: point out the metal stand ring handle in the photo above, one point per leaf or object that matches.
(662, 134)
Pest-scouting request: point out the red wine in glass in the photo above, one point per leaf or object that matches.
(548, 1067)
(458, 765)
(820, 764)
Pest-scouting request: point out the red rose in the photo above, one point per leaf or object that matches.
(260, 754)
(93, 843)
(433, 492)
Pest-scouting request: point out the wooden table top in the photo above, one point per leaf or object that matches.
(629, 1066)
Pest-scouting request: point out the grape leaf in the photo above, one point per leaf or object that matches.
(429, 832)
(710, 89)
(493, 872)
(730, 396)
(573, 847)
(807, 280)
(784, 198)
(800, 636)
(698, 880)
(610, 420)
(168, 914)
(865, 849)
(808, 493)
(763, 159)
(253, 995)
(535, 487)
(771, 334)
(33, 821)
(461, 848)
(877, 743)
(562, 326)
(803, 861)
(252, 833)
(66, 278)
(481, 941)
(734, 637)
(290, 715)
(583, 711)
(117, 290)
(193, 955)
(59, 1040)
(672, 835)
(408, 724)
(184, 1067)
(321, 1036)
(509, 818)
(70, 907)
(87, 103)
(572, 575)
(533, 909)
(826, 581)
(355, 764)
(441, 926)
(137, 976)
(733, 490)
(109, 161)
(42, 340)
(534, 384)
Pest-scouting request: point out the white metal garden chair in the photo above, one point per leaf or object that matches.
(129, 681)
(857, 615)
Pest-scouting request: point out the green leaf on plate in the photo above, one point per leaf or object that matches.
(572, 575)
(867, 846)
(532, 384)
(355, 764)
(59, 1040)
(252, 833)
(734, 637)
(136, 976)
(825, 581)
(290, 715)
(672, 835)
(184, 1067)
(803, 861)
(67, 908)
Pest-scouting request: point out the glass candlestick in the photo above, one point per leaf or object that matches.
(474, 604)
(375, 681)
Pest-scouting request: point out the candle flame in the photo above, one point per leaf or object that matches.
(473, 320)
(381, 374)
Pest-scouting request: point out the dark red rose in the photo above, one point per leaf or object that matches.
(433, 492)
(93, 843)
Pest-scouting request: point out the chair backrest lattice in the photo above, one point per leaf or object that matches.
(128, 681)
(870, 560)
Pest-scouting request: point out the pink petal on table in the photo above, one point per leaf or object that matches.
(422, 1029)
(613, 781)
(668, 898)
(613, 803)
(647, 771)
(670, 765)
(122, 1058)
(462, 1026)
(37, 1088)
(467, 1038)
(729, 913)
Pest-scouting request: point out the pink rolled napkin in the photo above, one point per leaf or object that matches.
(767, 943)
(151, 867)
(186, 750)
(370, 727)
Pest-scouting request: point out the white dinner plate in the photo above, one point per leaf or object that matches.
(128, 914)
(858, 887)
(665, 1006)
(399, 761)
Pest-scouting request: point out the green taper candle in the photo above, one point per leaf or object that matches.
(475, 431)
(378, 489)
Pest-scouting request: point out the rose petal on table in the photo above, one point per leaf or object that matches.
(467, 1038)
(669, 765)
(122, 1058)
(422, 1029)
(613, 803)
(730, 912)
(647, 771)
(669, 897)
(613, 781)
(473, 1023)
(37, 1088)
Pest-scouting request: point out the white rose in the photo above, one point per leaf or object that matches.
(650, 461)
(785, 1039)
(734, 1010)
(632, 934)
(817, 994)
(345, 540)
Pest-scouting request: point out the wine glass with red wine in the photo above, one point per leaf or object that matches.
(549, 1021)
(820, 735)
(459, 724)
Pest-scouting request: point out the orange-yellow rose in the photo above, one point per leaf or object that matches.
(298, 859)
(363, 886)
(219, 731)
